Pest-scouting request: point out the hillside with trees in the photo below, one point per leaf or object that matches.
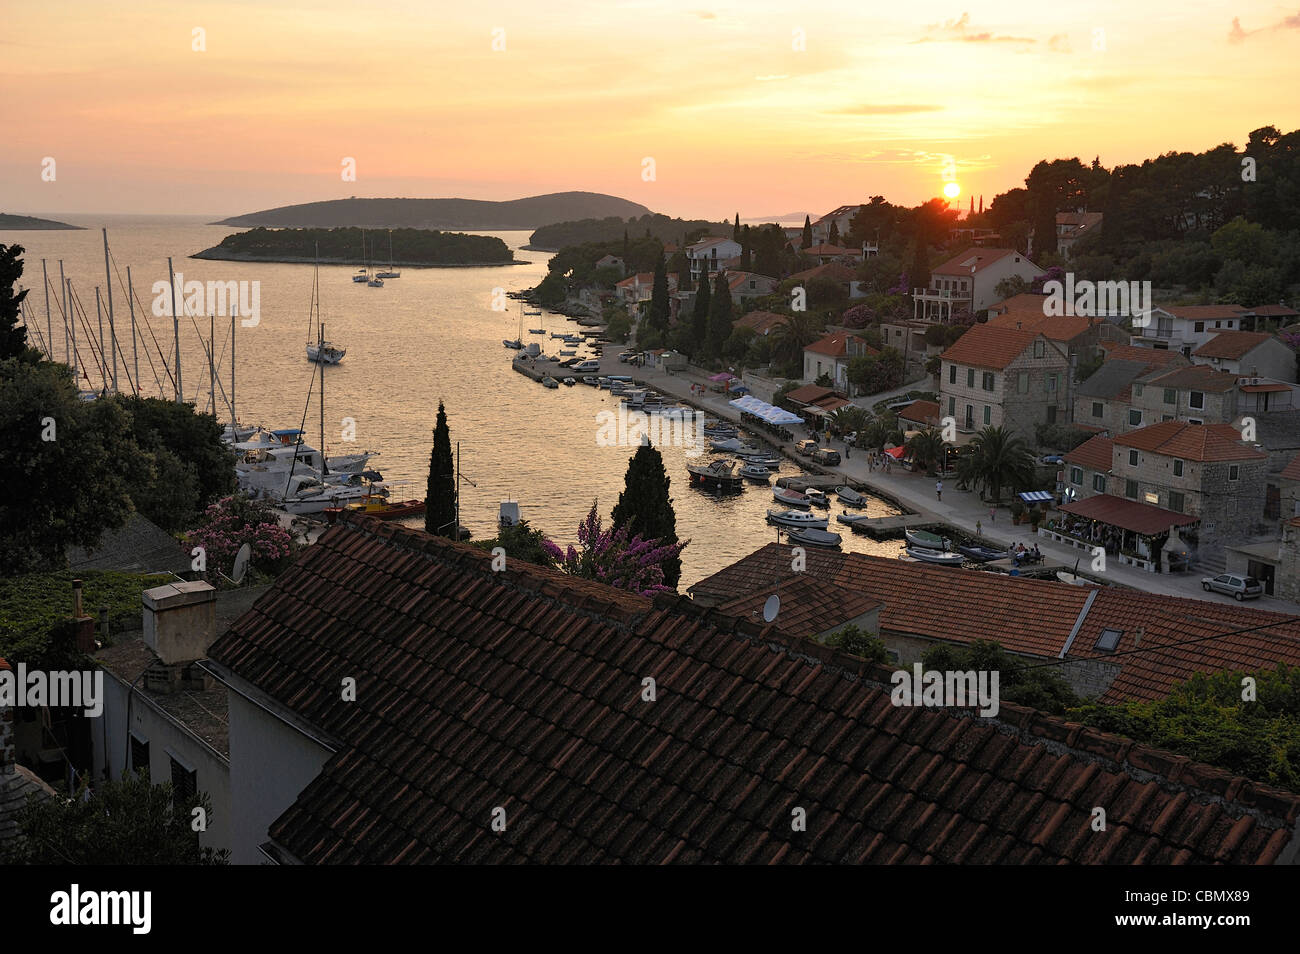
(667, 230)
(410, 247)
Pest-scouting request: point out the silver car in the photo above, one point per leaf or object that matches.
(1238, 587)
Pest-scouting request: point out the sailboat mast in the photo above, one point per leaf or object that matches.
(212, 367)
(135, 351)
(67, 351)
(49, 327)
(67, 294)
(99, 316)
(324, 467)
(176, 330)
(234, 312)
(112, 333)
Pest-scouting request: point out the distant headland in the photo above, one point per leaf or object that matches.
(421, 248)
(29, 223)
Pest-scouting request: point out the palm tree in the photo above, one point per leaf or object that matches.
(1000, 458)
(790, 337)
(927, 448)
(880, 431)
(849, 418)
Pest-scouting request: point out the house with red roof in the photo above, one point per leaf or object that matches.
(831, 355)
(762, 322)
(1253, 354)
(969, 281)
(1072, 226)
(1186, 327)
(747, 285)
(1081, 336)
(1004, 377)
(709, 254)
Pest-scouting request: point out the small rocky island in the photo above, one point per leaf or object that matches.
(412, 247)
(30, 223)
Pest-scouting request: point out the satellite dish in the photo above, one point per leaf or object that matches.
(771, 608)
(241, 564)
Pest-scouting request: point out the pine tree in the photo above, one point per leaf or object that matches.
(659, 308)
(440, 496)
(644, 505)
(735, 231)
(700, 317)
(720, 316)
(806, 241)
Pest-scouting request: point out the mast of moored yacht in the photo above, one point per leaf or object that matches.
(99, 316)
(64, 289)
(212, 367)
(176, 329)
(49, 325)
(67, 294)
(135, 353)
(112, 333)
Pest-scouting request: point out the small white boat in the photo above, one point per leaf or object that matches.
(791, 498)
(731, 445)
(322, 352)
(537, 331)
(815, 538)
(817, 497)
(592, 380)
(751, 452)
(850, 496)
(756, 472)
(361, 277)
(570, 381)
(941, 557)
(852, 519)
(376, 282)
(796, 518)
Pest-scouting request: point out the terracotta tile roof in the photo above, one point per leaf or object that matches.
(1052, 327)
(1095, 453)
(1126, 514)
(825, 249)
(761, 321)
(808, 606)
(517, 689)
(1199, 442)
(980, 258)
(1082, 221)
(1025, 302)
(1264, 388)
(1272, 311)
(1231, 344)
(1156, 358)
(1292, 470)
(1203, 312)
(1198, 377)
(837, 345)
(921, 412)
(809, 393)
(833, 403)
(736, 279)
(832, 270)
(1113, 380)
(987, 346)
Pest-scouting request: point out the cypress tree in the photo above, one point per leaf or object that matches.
(806, 241)
(659, 309)
(700, 317)
(746, 252)
(834, 238)
(919, 274)
(645, 505)
(720, 316)
(627, 248)
(684, 274)
(735, 231)
(440, 495)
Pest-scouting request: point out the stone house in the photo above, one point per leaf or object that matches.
(1004, 377)
(969, 281)
(1248, 353)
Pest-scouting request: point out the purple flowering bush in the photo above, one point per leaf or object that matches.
(230, 523)
(610, 557)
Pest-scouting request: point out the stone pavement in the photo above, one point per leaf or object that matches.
(916, 492)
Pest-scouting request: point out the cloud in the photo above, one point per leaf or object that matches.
(887, 109)
(705, 14)
(958, 31)
(1059, 43)
(772, 76)
(1238, 35)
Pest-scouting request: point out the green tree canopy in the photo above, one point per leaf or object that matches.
(646, 508)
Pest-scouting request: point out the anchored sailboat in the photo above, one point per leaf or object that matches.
(319, 350)
(363, 273)
(388, 272)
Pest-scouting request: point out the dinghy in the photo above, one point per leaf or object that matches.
(815, 538)
(800, 519)
(850, 496)
(925, 540)
(926, 555)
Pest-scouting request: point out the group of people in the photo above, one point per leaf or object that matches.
(1023, 554)
(878, 460)
(1097, 533)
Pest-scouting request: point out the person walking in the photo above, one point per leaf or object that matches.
(993, 514)
(938, 489)
(979, 529)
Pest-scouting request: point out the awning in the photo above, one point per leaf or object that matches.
(721, 376)
(1143, 518)
(1036, 496)
(764, 411)
(896, 452)
(737, 388)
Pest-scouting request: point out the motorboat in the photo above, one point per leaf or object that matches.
(385, 510)
(925, 539)
(568, 354)
(853, 520)
(718, 475)
(550, 382)
(940, 557)
(731, 445)
(570, 381)
(537, 331)
(981, 554)
(791, 498)
(361, 277)
(850, 496)
(376, 282)
(592, 380)
(817, 497)
(751, 452)
(756, 472)
(715, 428)
(797, 518)
(308, 494)
(350, 463)
(514, 343)
(815, 538)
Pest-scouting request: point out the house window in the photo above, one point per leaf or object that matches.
(1175, 501)
(1218, 324)
(139, 753)
(1132, 458)
(1131, 489)
(1108, 640)
(1171, 396)
(970, 415)
(1096, 409)
(1234, 471)
(970, 377)
(1040, 348)
(988, 414)
(952, 374)
(1051, 414)
(1022, 382)
(1076, 476)
(952, 407)
(1178, 468)
(1199, 326)
(1099, 483)
(1134, 417)
(1051, 381)
(1196, 399)
(987, 381)
(1137, 390)
(185, 782)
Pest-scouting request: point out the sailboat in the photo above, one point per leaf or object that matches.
(518, 342)
(320, 350)
(534, 331)
(363, 273)
(388, 272)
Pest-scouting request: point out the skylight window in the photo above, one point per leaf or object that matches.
(1109, 639)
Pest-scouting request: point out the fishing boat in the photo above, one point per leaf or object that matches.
(718, 475)
(815, 538)
(853, 520)
(537, 331)
(817, 497)
(770, 461)
(755, 472)
(940, 557)
(591, 379)
(550, 382)
(981, 554)
(797, 518)
(307, 494)
(925, 540)
(385, 510)
(751, 452)
(568, 353)
(389, 272)
(570, 381)
(791, 498)
(722, 429)
(730, 445)
(850, 496)
(318, 349)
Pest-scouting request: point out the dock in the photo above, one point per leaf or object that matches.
(530, 369)
(892, 526)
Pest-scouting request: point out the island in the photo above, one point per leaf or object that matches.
(456, 214)
(424, 248)
(29, 223)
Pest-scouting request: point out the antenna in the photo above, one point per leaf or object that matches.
(771, 608)
(241, 565)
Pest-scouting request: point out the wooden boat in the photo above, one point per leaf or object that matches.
(852, 519)
(982, 554)
(756, 472)
(815, 538)
(791, 498)
(850, 496)
(796, 518)
(925, 540)
(718, 475)
(817, 497)
(942, 558)
(570, 381)
(386, 510)
(549, 382)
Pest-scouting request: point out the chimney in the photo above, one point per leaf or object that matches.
(6, 728)
(180, 621)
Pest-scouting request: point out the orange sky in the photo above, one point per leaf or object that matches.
(881, 99)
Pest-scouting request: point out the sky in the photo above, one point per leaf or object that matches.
(691, 108)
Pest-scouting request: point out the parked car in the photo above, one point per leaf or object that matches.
(824, 455)
(806, 448)
(1052, 459)
(1238, 587)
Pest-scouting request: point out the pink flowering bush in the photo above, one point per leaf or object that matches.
(610, 557)
(230, 523)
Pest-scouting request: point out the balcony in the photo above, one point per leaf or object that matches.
(936, 303)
